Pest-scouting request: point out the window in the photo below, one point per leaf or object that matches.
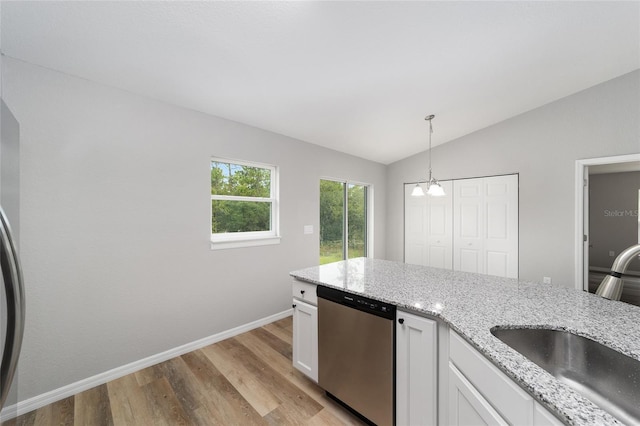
(343, 220)
(244, 204)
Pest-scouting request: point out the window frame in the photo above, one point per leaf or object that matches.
(369, 219)
(226, 240)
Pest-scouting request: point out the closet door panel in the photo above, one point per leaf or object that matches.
(415, 228)
(469, 227)
(501, 242)
(440, 230)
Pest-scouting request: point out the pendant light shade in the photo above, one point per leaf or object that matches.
(417, 191)
(434, 188)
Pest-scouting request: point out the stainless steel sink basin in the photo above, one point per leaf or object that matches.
(608, 378)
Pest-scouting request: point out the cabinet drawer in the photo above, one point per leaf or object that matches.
(305, 291)
(509, 399)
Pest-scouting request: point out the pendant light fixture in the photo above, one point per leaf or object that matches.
(433, 186)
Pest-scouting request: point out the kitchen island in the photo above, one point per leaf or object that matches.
(471, 304)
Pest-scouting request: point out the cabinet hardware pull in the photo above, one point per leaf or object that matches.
(401, 320)
(293, 306)
(301, 291)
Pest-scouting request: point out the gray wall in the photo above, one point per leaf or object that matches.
(613, 217)
(115, 225)
(542, 146)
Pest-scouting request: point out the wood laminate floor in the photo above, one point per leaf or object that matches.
(245, 380)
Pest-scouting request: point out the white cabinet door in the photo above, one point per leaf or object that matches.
(485, 225)
(416, 370)
(542, 417)
(466, 404)
(305, 338)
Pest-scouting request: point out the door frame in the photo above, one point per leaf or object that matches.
(582, 213)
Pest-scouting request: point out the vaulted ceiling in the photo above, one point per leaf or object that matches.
(357, 77)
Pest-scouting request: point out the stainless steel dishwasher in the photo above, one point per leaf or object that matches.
(356, 353)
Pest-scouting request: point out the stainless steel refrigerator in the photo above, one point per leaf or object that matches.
(12, 304)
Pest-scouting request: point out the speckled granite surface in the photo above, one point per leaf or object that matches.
(472, 304)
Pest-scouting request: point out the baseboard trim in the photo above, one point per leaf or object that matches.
(50, 397)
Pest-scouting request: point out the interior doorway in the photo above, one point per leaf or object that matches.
(607, 203)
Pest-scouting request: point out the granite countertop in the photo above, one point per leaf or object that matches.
(471, 304)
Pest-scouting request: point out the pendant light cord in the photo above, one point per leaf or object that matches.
(429, 118)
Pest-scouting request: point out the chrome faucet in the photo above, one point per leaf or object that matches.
(611, 285)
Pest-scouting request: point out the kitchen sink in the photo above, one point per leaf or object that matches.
(607, 377)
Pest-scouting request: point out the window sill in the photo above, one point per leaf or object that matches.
(239, 243)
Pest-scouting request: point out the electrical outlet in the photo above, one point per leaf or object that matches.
(308, 229)
(546, 280)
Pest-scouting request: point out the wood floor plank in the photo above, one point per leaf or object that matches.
(251, 388)
(147, 375)
(293, 398)
(64, 411)
(177, 374)
(165, 407)
(281, 416)
(129, 404)
(279, 345)
(223, 401)
(255, 341)
(282, 329)
(27, 419)
(330, 417)
(92, 407)
(44, 416)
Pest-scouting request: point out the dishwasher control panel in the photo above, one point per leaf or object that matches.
(372, 306)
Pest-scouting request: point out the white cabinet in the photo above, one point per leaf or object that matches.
(479, 393)
(542, 417)
(466, 405)
(305, 329)
(416, 370)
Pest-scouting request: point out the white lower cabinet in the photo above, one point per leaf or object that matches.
(479, 393)
(416, 370)
(542, 417)
(305, 331)
(466, 405)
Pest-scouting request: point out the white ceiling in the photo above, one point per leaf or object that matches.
(357, 77)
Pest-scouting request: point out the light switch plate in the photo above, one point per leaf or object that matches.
(308, 229)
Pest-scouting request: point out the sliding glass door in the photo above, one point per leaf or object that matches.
(343, 220)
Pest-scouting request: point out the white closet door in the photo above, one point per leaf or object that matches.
(428, 228)
(468, 228)
(415, 227)
(486, 225)
(440, 228)
(501, 243)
